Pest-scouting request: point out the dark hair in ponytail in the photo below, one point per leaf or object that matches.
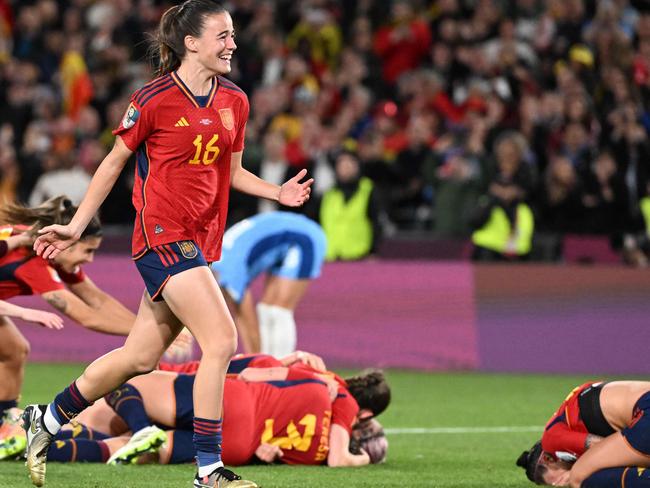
(370, 390)
(57, 210)
(187, 19)
(529, 460)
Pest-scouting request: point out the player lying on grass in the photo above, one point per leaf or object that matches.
(288, 414)
(598, 438)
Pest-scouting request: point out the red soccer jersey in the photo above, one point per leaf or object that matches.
(294, 415)
(24, 273)
(566, 432)
(183, 153)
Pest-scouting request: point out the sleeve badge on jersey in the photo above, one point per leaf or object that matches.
(130, 117)
(227, 118)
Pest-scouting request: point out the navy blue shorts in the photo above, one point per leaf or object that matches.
(637, 433)
(160, 263)
(183, 386)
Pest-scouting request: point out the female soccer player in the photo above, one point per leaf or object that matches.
(290, 248)
(598, 430)
(187, 130)
(61, 282)
(293, 415)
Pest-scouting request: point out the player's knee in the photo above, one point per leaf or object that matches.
(140, 362)
(16, 354)
(221, 348)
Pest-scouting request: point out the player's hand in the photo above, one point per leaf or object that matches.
(312, 360)
(293, 193)
(46, 319)
(53, 239)
(21, 240)
(268, 453)
(332, 385)
(563, 479)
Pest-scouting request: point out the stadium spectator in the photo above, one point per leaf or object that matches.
(290, 250)
(403, 44)
(557, 72)
(350, 212)
(504, 221)
(598, 431)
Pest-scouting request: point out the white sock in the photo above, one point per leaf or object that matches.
(51, 423)
(207, 470)
(283, 335)
(265, 319)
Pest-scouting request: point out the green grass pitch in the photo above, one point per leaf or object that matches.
(435, 457)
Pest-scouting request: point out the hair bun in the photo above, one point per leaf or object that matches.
(522, 461)
(67, 203)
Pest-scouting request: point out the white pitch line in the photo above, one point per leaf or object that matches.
(465, 430)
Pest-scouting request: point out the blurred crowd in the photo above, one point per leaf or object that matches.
(445, 110)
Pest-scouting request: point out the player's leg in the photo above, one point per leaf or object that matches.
(140, 407)
(247, 323)
(276, 313)
(613, 451)
(631, 477)
(14, 350)
(154, 329)
(196, 300)
(100, 417)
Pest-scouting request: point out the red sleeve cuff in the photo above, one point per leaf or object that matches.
(72, 278)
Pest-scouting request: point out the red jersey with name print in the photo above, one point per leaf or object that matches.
(566, 432)
(295, 415)
(24, 273)
(183, 151)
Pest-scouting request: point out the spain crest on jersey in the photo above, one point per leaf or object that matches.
(188, 249)
(227, 118)
(130, 117)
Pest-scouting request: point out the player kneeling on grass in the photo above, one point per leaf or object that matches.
(598, 438)
(293, 415)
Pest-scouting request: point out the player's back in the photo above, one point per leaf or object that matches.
(294, 415)
(257, 243)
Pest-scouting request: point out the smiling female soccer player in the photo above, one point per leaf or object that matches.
(187, 130)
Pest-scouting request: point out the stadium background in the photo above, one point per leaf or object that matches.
(566, 80)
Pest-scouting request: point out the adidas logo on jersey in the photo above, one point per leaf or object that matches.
(182, 122)
(158, 229)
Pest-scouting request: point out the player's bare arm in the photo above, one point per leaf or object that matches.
(339, 455)
(74, 307)
(292, 193)
(55, 238)
(591, 440)
(104, 305)
(47, 319)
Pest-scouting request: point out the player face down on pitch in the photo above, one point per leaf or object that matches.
(599, 437)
